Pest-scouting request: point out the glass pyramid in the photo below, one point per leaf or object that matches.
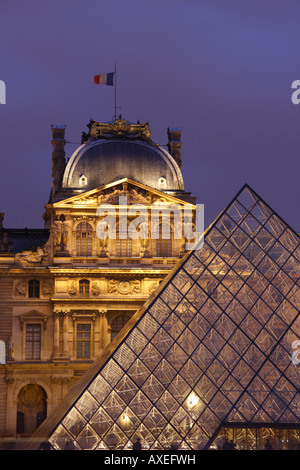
(212, 348)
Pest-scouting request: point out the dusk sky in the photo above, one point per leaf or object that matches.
(220, 70)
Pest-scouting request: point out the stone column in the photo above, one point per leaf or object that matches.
(103, 329)
(65, 353)
(56, 336)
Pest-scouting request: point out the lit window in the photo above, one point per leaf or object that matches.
(84, 288)
(83, 341)
(123, 242)
(84, 239)
(162, 183)
(33, 341)
(34, 289)
(117, 325)
(164, 242)
(82, 180)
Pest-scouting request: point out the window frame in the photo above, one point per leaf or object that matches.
(114, 332)
(84, 288)
(34, 291)
(83, 341)
(30, 354)
(84, 239)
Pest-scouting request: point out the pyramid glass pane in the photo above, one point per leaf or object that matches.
(212, 351)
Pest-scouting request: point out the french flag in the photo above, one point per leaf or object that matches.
(104, 79)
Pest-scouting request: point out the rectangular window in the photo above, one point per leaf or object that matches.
(124, 248)
(83, 341)
(163, 248)
(34, 289)
(84, 239)
(84, 288)
(33, 341)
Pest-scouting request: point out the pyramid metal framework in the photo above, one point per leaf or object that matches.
(212, 347)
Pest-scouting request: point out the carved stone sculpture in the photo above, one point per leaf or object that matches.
(32, 257)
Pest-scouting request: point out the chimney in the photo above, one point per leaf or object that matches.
(174, 145)
(1, 220)
(58, 156)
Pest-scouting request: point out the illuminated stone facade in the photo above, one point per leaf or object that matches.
(64, 292)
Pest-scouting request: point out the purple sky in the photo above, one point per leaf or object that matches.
(221, 70)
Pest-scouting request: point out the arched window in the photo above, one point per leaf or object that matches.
(82, 180)
(162, 183)
(164, 242)
(117, 325)
(84, 288)
(34, 288)
(123, 242)
(84, 239)
(31, 408)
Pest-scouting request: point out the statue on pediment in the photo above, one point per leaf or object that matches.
(118, 129)
(60, 232)
(133, 196)
(32, 257)
(6, 245)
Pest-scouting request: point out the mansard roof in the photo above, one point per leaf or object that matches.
(116, 150)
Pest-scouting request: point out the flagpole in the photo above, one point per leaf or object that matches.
(115, 92)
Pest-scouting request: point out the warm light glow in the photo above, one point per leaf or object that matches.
(192, 400)
(125, 422)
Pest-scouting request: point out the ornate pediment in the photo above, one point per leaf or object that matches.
(33, 316)
(135, 193)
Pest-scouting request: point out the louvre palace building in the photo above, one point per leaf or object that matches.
(120, 321)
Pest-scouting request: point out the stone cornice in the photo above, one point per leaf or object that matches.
(100, 300)
(108, 272)
(52, 271)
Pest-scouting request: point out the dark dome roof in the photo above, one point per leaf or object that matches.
(99, 162)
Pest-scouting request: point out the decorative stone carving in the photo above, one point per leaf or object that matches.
(119, 129)
(84, 218)
(87, 201)
(6, 245)
(60, 232)
(112, 286)
(136, 287)
(20, 288)
(123, 287)
(10, 348)
(33, 316)
(95, 289)
(145, 238)
(153, 286)
(72, 288)
(47, 287)
(61, 380)
(9, 380)
(102, 236)
(133, 196)
(33, 257)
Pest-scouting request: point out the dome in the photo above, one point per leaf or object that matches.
(98, 162)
